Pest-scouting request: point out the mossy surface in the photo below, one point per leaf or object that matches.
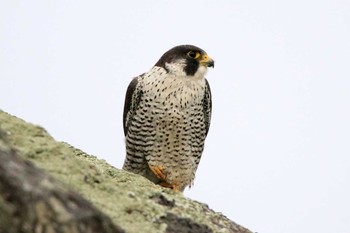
(131, 201)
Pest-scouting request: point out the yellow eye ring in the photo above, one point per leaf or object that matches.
(193, 54)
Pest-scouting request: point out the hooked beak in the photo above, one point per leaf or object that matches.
(207, 61)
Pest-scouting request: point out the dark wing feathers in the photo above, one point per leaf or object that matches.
(207, 106)
(132, 100)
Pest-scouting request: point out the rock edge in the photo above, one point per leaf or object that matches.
(132, 202)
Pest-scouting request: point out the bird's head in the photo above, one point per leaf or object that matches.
(186, 60)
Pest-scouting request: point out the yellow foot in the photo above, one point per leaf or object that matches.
(171, 186)
(159, 172)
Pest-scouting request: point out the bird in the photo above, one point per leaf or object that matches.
(166, 118)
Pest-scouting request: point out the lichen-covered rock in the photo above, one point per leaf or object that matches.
(33, 201)
(131, 201)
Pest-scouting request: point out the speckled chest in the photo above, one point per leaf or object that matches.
(166, 96)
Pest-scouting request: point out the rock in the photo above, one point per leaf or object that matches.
(32, 201)
(133, 203)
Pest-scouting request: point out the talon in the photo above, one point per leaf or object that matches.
(165, 185)
(175, 188)
(171, 186)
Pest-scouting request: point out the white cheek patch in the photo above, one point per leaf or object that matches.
(177, 68)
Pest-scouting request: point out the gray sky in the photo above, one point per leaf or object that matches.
(277, 157)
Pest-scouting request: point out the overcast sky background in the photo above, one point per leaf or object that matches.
(277, 157)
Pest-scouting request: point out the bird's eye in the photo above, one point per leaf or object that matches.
(193, 54)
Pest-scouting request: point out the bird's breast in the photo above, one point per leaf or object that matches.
(174, 92)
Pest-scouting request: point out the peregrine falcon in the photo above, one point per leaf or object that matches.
(166, 118)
